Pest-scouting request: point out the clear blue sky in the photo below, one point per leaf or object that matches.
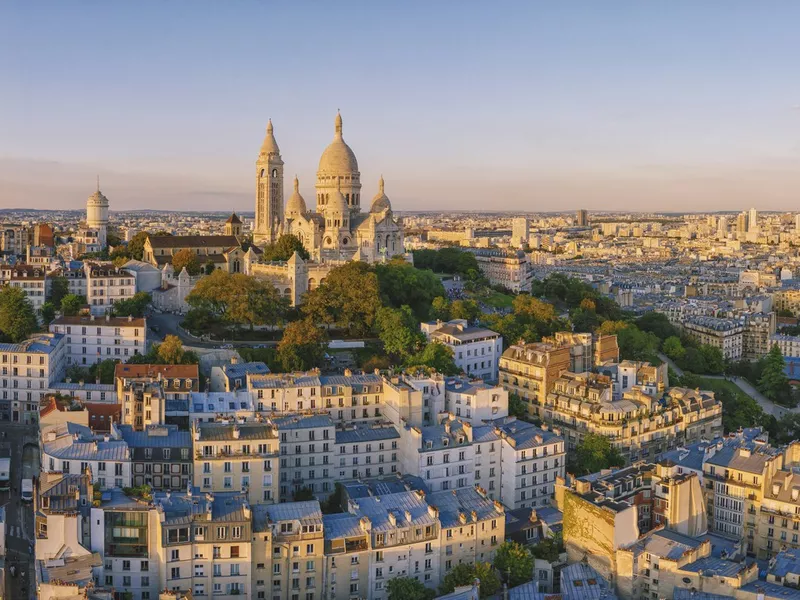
(459, 104)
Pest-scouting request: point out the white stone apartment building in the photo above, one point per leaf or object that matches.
(105, 285)
(237, 457)
(487, 444)
(531, 459)
(725, 334)
(92, 339)
(31, 279)
(509, 269)
(71, 448)
(27, 371)
(365, 452)
(413, 401)
(475, 401)
(788, 344)
(476, 350)
(442, 455)
(307, 443)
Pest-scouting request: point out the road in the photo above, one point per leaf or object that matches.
(169, 324)
(767, 405)
(22, 442)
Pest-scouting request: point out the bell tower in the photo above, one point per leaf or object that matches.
(269, 191)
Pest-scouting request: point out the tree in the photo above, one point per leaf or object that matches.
(398, 331)
(302, 346)
(584, 320)
(131, 307)
(435, 356)
(773, 382)
(611, 327)
(517, 407)
(465, 309)
(403, 284)
(186, 259)
(408, 588)
(59, 288)
(209, 267)
(440, 309)
(17, 317)
(335, 501)
(348, 299)
(673, 348)
(303, 495)
(714, 359)
(657, 324)
(635, 344)
(284, 248)
(71, 304)
(549, 548)
(536, 309)
(103, 371)
(136, 245)
(594, 454)
(465, 573)
(171, 351)
(47, 312)
(514, 562)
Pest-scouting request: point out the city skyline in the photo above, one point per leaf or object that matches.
(531, 108)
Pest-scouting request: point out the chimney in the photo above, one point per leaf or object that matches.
(348, 373)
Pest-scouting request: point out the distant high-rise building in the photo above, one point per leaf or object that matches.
(797, 223)
(752, 220)
(741, 222)
(722, 226)
(520, 231)
(582, 218)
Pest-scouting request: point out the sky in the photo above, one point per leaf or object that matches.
(523, 106)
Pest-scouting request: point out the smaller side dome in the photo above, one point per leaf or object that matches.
(337, 203)
(380, 202)
(296, 205)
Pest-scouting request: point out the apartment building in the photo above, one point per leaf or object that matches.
(404, 540)
(27, 371)
(442, 455)
(347, 553)
(413, 400)
(105, 285)
(475, 401)
(31, 279)
(347, 397)
(208, 407)
(586, 350)
(205, 543)
(71, 576)
(62, 504)
(306, 445)
(365, 452)
(289, 550)
(161, 456)
(789, 345)
(530, 371)
(71, 448)
(144, 390)
(14, 238)
(787, 299)
(625, 375)
(487, 444)
(233, 376)
(531, 458)
(509, 269)
(725, 334)
(640, 425)
(476, 350)
(759, 328)
(237, 457)
(91, 339)
(471, 527)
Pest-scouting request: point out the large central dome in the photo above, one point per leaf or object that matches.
(338, 158)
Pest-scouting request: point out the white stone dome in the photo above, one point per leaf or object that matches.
(296, 205)
(337, 203)
(338, 158)
(98, 199)
(381, 201)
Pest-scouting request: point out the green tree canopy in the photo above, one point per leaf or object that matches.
(408, 588)
(440, 308)
(171, 351)
(136, 245)
(59, 288)
(594, 454)
(773, 382)
(302, 346)
(657, 324)
(47, 312)
(348, 299)
(673, 348)
(465, 574)
(186, 259)
(465, 309)
(435, 356)
(401, 284)
(399, 331)
(635, 344)
(131, 307)
(71, 304)
(17, 317)
(284, 248)
(514, 562)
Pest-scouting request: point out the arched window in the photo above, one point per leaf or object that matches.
(312, 283)
(262, 172)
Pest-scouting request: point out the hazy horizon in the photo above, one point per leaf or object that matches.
(515, 106)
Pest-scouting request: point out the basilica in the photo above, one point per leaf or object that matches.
(337, 229)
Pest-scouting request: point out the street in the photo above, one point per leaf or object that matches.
(168, 325)
(21, 441)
